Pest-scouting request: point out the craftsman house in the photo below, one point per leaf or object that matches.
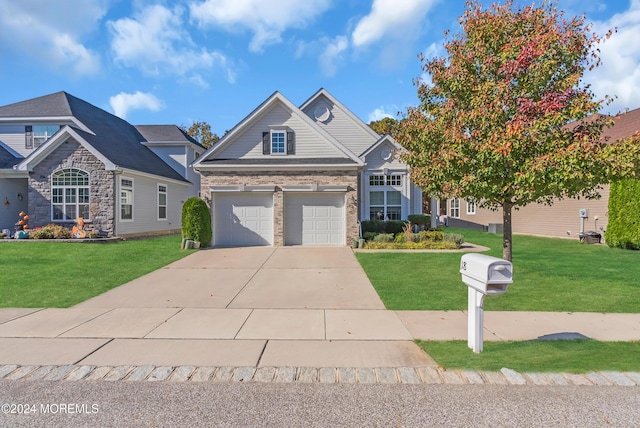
(288, 175)
(62, 158)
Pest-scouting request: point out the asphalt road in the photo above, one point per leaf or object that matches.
(103, 403)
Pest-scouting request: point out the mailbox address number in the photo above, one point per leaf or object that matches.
(464, 266)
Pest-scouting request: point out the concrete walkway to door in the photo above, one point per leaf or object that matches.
(255, 306)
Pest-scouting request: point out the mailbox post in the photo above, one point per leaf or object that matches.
(484, 275)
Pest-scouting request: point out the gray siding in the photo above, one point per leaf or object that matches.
(145, 206)
(342, 127)
(309, 144)
(174, 156)
(14, 137)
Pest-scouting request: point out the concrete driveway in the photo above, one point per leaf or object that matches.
(255, 306)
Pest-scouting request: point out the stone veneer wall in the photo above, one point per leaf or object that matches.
(70, 154)
(277, 179)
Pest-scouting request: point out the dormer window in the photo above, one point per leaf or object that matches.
(278, 141)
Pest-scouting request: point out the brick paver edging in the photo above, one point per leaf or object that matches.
(381, 375)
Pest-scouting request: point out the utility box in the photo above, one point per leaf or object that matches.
(488, 275)
(483, 275)
(494, 228)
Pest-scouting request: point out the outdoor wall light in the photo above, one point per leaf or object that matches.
(19, 196)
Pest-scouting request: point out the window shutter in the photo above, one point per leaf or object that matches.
(266, 143)
(28, 137)
(291, 143)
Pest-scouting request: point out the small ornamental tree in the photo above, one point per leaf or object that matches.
(201, 131)
(502, 119)
(196, 221)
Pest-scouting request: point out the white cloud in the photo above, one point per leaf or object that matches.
(156, 42)
(332, 55)
(124, 102)
(267, 19)
(619, 73)
(51, 33)
(391, 18)
(380, 113)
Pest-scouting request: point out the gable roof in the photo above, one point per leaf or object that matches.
(209, 157)
(356, 121)
(117, 140)
(383, 139)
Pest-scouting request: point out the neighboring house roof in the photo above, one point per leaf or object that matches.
(7, 158)
(167, 134)
(118, 140)
(625, 125)
(210, 157)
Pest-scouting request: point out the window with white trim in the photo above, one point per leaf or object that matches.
(162, 202)
(454, 208)
(278, 142)
(42, 133)
(69, 195)
(385, 197)
(126, 199)
(471, 206)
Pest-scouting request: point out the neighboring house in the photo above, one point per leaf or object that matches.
(288, 175)
(62, 158)
(566, 217)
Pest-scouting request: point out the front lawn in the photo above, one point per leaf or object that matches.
(556, 275)
(40, 274)
(570, 356)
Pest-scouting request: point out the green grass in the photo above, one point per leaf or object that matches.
(570, 356)
(557, 275)
(55, 274)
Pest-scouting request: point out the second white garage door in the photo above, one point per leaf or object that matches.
(314, 218)
(243, 219)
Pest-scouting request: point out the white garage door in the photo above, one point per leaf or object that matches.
(314, 218)
(243, 219)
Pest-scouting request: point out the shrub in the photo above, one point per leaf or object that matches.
(379, 226)
(421, 220)
(50, 231)
(428, 235)
(196, 221)
(383, 237)
(456, 238)
(370, 236)
(623, 230)
(430, 245)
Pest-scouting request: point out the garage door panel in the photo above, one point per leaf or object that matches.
(243, 219)
(314, 219)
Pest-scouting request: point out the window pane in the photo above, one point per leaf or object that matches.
(376, 198)
(162, 212)
(57, 212)
(394, 197)
(376, 180)
(126, 212)
(394, 180)
(162, 199)
(277, 142)
(83, 211)
(393, 213)
(70, 212)
(83, 195)
(376, 213)
(70, 196)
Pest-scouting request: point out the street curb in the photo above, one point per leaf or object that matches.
(324, 375)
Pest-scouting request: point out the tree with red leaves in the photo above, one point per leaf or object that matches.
(504, 118)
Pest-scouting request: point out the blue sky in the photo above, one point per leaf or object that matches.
(159, 62)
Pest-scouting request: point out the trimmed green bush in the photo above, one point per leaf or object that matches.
(623, 230)
(370, 236)
(420, 219)
(196, 221)
(379, 226)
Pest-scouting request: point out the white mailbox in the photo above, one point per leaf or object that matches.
(488, 275)
(483, 275)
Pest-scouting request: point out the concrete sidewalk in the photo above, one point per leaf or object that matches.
(263, 307)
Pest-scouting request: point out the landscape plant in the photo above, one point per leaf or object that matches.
(623, 228)
(196, 221)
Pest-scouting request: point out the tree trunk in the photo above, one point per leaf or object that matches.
(507, 241)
